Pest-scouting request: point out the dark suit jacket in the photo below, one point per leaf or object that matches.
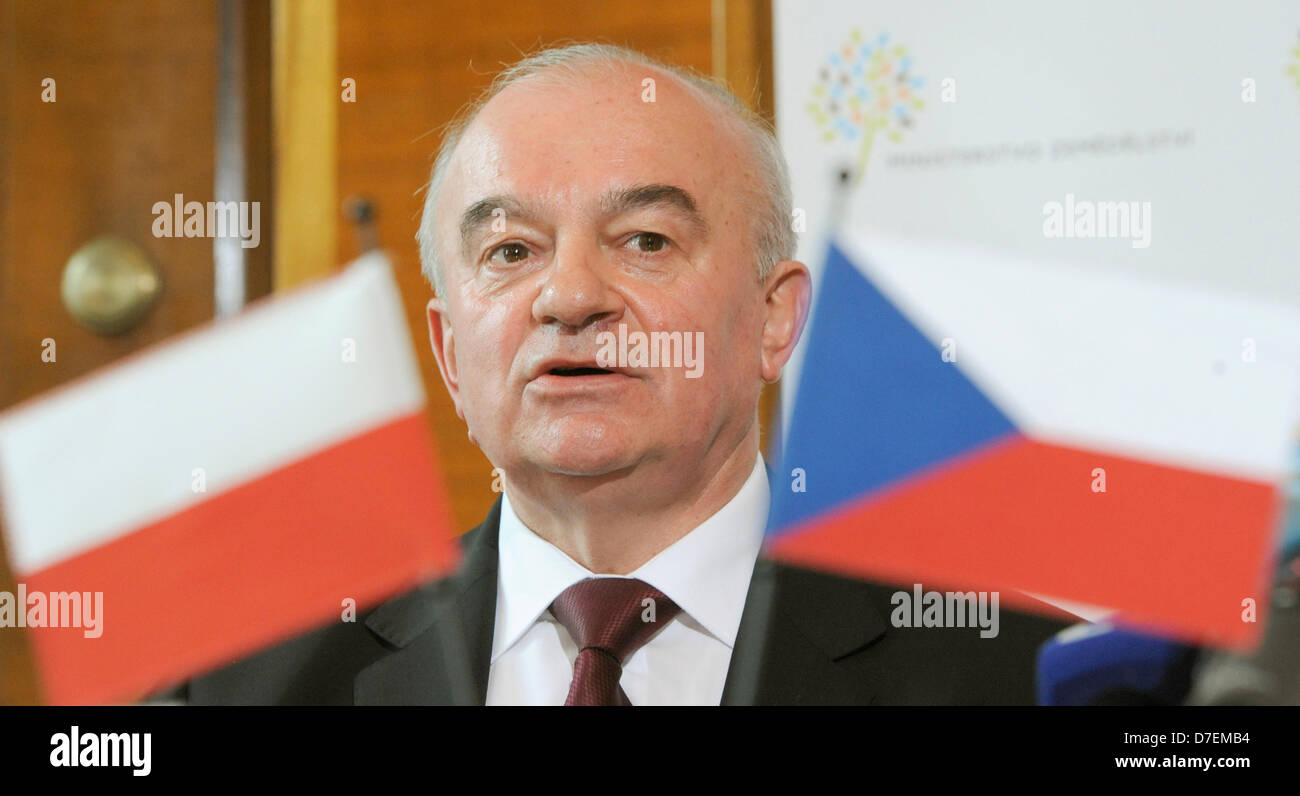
(805, 638)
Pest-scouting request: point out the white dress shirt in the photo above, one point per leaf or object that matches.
(706, 573)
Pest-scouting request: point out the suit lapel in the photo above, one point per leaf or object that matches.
(797, 624)
(441, 633)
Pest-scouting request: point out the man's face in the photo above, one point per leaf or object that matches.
(567, 210)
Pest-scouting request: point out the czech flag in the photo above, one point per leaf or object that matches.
(1086, 437)
(209, 496)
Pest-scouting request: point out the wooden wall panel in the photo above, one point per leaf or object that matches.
(305, 100)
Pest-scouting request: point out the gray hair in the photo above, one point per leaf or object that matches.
(774, 232)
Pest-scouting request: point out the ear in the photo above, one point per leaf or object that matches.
(789, 294)
(443, 341)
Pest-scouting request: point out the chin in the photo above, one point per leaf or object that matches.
(575, 446)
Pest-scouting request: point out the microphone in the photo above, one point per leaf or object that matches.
(1103, 664)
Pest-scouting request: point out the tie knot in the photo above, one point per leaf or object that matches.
(616, 615)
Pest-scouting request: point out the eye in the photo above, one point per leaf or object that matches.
(510, 252)
(648, 242)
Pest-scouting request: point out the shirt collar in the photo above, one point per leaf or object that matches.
(706, 572)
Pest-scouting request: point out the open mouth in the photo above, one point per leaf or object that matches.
(579, 372)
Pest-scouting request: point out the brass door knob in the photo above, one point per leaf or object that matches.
(110, 284)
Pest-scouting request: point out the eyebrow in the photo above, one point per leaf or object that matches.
(655, 194)
(613, 203)
(480, 213)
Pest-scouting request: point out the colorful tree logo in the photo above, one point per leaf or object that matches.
(863, 90)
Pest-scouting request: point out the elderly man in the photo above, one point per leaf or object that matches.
(595, 195)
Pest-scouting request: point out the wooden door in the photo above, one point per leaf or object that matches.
(105, 109)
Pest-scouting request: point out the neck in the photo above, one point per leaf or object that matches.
(613, 524)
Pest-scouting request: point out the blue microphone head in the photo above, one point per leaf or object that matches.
(1101, 664)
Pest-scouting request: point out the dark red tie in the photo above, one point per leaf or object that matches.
(609, 619)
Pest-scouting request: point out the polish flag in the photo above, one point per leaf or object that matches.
(242, 483)
(1104, 442)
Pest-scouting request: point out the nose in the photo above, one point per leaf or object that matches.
(576, 293)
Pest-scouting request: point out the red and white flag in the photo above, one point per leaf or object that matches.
(209, 496)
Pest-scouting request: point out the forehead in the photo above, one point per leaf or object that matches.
(567, 139)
